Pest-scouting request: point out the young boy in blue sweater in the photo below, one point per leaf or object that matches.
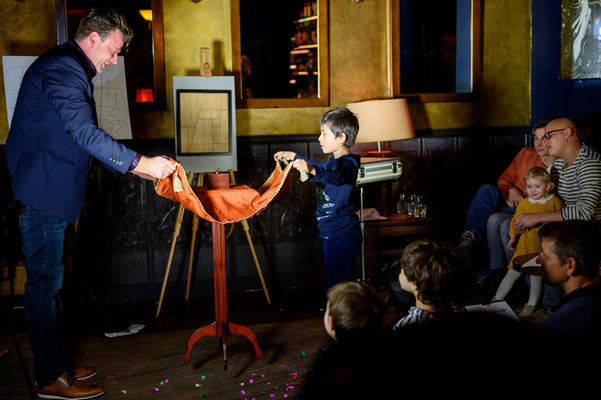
(337, 220)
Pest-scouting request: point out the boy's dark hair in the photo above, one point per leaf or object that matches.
(437, 271)
(578, 239)
(356, 309)
(342, 120)
(103, 21)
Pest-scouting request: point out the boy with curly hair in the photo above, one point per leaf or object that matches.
(433, 272)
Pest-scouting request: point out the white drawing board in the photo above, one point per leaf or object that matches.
(205, 123)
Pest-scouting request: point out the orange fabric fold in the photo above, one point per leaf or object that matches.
(225, 205)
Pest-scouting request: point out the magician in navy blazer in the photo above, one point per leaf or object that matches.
(54, 134)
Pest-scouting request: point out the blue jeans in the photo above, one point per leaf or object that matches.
(486, 202)
(339, 255)
(497, 235)
(42, 237)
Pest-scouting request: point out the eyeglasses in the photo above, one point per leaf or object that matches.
(548, 134)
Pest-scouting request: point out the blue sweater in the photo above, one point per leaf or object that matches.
(578, 314)
(336, 213)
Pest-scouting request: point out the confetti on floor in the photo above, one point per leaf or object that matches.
(281, 383)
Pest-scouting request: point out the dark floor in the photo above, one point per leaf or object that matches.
(150, 363)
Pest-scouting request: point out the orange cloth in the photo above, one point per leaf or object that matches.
(226, 205)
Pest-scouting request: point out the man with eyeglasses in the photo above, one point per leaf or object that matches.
(579, 169)
(53, 136)
(490, 212)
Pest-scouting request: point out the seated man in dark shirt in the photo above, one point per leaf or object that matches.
(570, 257)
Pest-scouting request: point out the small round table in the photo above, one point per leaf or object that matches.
(519, 261)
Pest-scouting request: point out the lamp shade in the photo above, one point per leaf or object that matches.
(382, 120)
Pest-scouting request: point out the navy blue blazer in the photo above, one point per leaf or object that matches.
(54, 133)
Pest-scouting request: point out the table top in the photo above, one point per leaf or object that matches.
(402, 219)
(521, 260)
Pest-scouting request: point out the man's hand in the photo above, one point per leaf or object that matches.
(158, 167)
(514, 196)
(524, 221)
(286, 155)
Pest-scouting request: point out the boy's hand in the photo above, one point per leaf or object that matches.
(286, 155)
(303, 166)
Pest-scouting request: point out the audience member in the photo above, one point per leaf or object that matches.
(354, 309)
(570, 257)
(492, 206)
(579, 169)
(434, 273)
(540, 199)
(353, 318)
(497, 225)
(463, 354)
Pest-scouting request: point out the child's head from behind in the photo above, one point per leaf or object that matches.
(341, 121)
(538, 183)
(433, 272)
(354, 309)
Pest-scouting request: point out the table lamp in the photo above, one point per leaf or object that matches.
(382, 120)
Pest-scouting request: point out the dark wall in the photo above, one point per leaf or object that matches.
(550, 96)
(126, 230)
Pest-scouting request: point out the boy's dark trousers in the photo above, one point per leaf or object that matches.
(339, 255)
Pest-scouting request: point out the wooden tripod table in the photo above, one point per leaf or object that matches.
(219, 206)
(222, 327)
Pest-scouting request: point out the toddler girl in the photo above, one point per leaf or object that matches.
(538, 188)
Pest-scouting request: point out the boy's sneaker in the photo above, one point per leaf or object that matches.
(467, 240)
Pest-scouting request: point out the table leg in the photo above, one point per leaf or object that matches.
(221, 328)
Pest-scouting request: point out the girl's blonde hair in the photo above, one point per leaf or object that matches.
(539, 173)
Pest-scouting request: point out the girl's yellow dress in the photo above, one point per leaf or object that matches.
(529, 242)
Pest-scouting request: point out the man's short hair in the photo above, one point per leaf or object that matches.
(540, 124)
(578, 239)
(437, 271)
(103, 21)
(356, 309)
(342, 120)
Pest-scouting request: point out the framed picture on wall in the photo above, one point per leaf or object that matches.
(580, 39)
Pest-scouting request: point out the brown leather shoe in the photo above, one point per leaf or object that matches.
(83, 373)
(66, 388)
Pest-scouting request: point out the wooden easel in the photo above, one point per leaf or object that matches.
(176, 233)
